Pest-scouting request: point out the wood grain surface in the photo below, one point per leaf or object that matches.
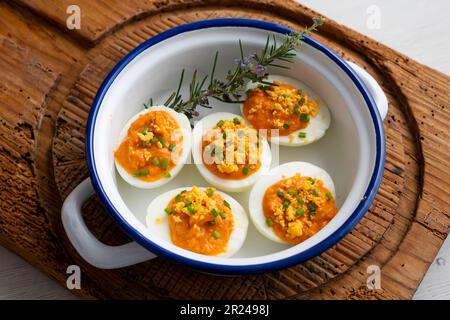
(401, 232)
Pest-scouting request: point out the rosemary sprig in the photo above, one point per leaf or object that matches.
(248, 68)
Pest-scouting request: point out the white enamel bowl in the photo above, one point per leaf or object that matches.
(352, 151)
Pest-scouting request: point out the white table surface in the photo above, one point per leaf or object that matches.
(418, 28)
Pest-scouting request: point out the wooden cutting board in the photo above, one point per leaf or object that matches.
(49, 78)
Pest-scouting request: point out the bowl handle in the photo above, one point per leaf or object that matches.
(92, 250)
(373, 87)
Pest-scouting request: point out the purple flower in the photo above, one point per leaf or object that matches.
(259, 70)
(244, 64)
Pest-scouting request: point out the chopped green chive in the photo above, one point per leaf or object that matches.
(285, 204)
(224, 136)
(304, 117)
(167, 175)
(311, 180)
(301, 201)
(172, 146)
(154, 140)
(286, 126)
(141, 173)
(212, 222)
(162, 141)
(311, 208)
(237, 121)
(214, 212)
(182, 191)
(211, 149)
(302, 135)
(293, 192)
(280, 194)
(297, 111)
(192, 209)
(168, 210)
(269, 222)
(164, 163)
(187, 202)
(315, 192)
(144, 132)
(300, 212)
(220, 123)
(301, 101)
(210, 191)
(245, 170)
(226, 204)
(155, 161)
(329, 195)
(286, 95)
(216, 235)
(178, 197)
(222, 215)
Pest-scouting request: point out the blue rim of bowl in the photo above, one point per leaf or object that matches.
(349, 224)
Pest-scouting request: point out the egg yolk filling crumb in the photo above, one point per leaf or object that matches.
(200, 221)
(298, 207)
(231, 150)
(281, 107)
(152, 146)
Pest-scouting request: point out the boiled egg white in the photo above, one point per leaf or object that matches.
(157, 220)
(229, 185)
(317, 125)
(184, 130)
(281, 172)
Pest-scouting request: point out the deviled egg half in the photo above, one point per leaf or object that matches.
(230, 154)
(153, 147)
(290, 107)
(293, 202)
(201, 220)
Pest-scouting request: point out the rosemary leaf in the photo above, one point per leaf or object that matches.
(214, 68)
(170, 99)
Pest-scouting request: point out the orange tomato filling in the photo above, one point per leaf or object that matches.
(200, 221)
(231, 150)
(280, 107)
(298, 207)
(152, 146)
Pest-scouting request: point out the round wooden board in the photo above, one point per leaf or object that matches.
(383, 227)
